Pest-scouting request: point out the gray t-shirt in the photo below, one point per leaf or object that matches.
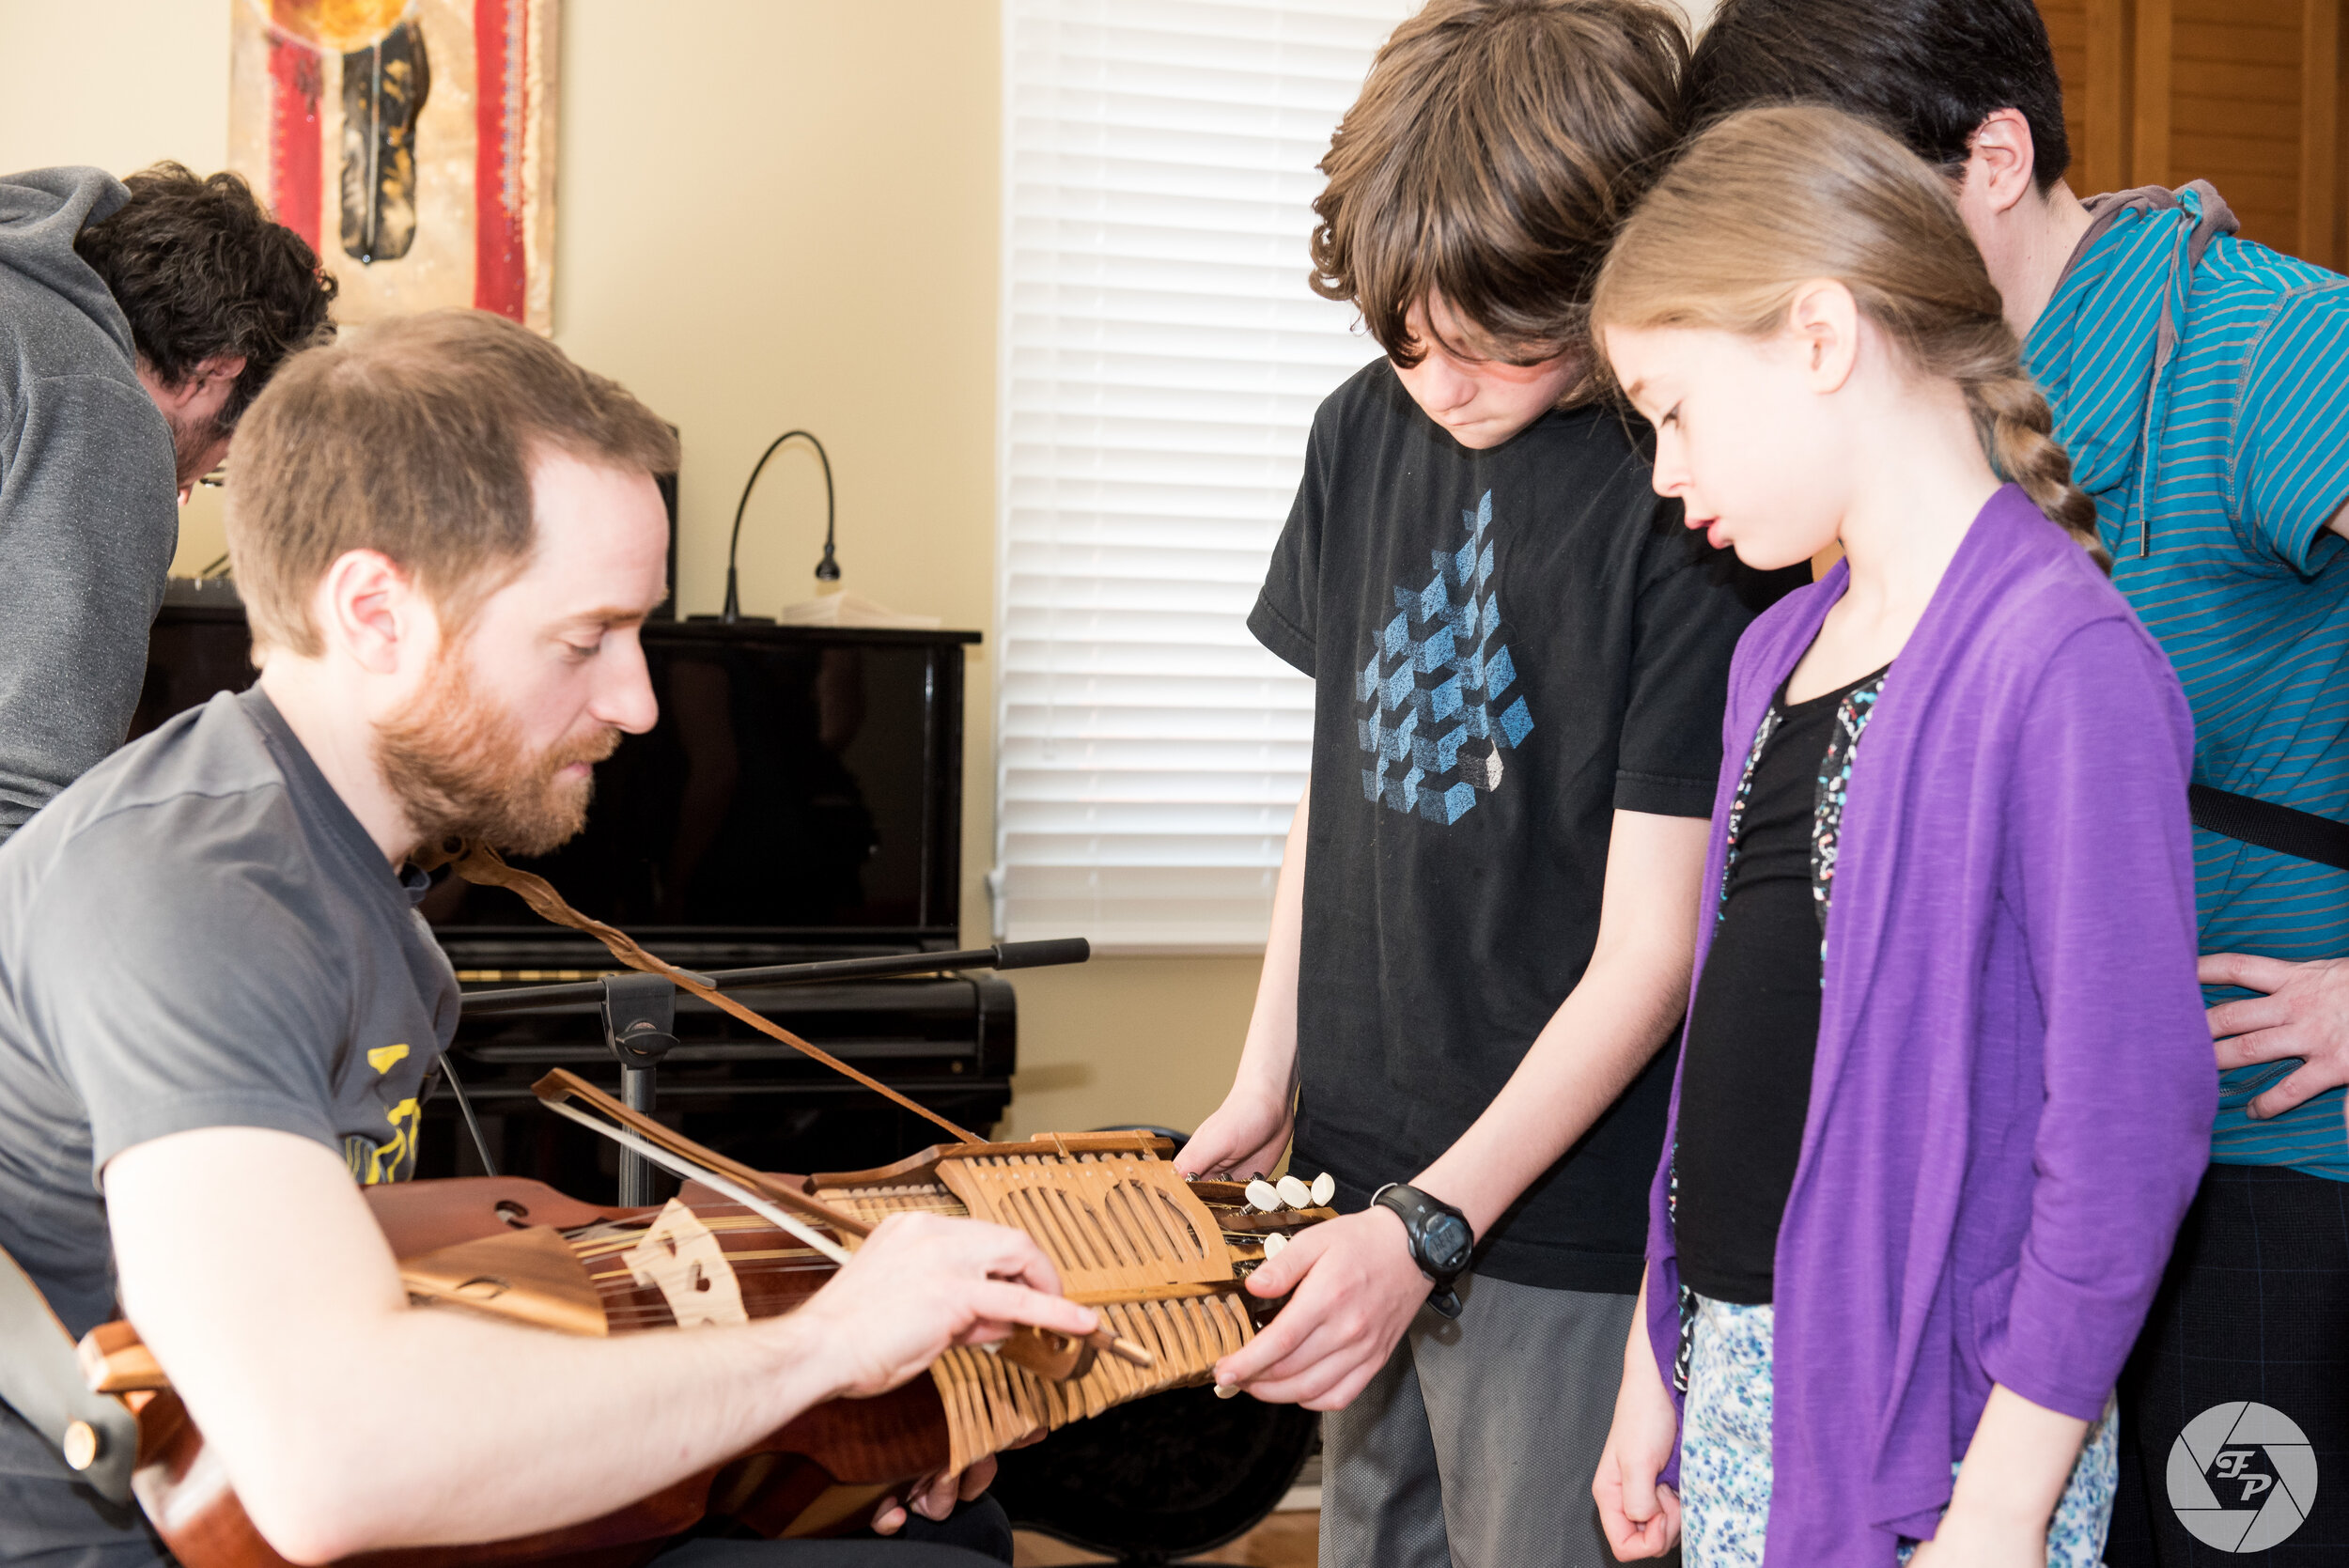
(198, 933)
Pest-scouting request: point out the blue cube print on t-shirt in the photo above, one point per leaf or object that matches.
(1435, 675)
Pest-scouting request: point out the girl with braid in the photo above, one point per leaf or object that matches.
(1945, 1089)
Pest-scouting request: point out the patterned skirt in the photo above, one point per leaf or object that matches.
(1725, 1453)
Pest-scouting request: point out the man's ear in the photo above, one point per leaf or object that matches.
(208, 378)
(219, 370)
(2001, 161)
(1823, 321)
(370, 609)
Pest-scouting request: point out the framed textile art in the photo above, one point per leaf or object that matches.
(412, 142)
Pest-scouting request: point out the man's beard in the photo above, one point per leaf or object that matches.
(193, 444)
(455, 760)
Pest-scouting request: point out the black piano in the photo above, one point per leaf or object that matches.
(800, 798)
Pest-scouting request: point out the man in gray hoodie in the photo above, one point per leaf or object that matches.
(137, 320)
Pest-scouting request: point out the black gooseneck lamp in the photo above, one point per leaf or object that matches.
(827, 569)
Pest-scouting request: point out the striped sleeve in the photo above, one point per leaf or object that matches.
(2292, 430)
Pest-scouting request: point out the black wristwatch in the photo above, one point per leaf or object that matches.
(1441, 1238)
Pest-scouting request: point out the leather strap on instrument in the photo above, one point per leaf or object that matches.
(481, 866)
(41, 1378)
(2266, 825)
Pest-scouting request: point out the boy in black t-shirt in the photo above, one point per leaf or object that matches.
(1520, 660)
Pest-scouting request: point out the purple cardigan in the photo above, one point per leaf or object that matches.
(2012, 1101)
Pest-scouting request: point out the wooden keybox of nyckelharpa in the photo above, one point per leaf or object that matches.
(1127, 1235)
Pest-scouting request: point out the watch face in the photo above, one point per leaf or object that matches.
(1447, 1241)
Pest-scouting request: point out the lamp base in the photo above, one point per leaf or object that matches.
(739, 620)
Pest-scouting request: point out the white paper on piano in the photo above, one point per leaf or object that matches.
(847, 609)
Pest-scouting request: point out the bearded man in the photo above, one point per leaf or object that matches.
(139, 320)
(219, 1008)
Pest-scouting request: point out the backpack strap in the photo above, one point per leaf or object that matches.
(2268, 826)
(2212, 217)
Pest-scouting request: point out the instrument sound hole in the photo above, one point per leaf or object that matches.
(515, 1215)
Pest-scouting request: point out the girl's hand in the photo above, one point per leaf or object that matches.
(2007, 1488)
(1642, 1518)
(1968, 1540)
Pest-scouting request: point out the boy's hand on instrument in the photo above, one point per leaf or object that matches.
(1356, 1290)
(1641, 1517)
(922, 1282)
(1247, 1136)
(2305, 1015)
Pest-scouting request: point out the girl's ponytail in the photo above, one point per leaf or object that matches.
(2017, 432)
(1768, 199)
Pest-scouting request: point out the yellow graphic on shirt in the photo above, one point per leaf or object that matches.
(382, 1058)
(391, 1160)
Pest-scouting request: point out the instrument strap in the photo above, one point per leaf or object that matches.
(41, 1380)
(481, 866)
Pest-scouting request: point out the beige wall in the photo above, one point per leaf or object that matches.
(770, 212)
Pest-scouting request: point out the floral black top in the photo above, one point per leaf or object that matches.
(1833, 785)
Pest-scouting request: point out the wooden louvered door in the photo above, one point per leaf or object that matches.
(2246, 94)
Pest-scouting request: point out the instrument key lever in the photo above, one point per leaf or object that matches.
(1064, 1358)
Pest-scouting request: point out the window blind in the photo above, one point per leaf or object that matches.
(1162, 359)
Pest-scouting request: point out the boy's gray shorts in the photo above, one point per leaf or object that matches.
(1475, 1444)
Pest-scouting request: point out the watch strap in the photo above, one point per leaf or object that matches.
(1413, 1207)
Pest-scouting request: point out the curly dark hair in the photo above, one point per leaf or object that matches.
(1928, 71)
(202, 270)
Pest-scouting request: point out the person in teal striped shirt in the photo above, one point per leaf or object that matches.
(2201, 382)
